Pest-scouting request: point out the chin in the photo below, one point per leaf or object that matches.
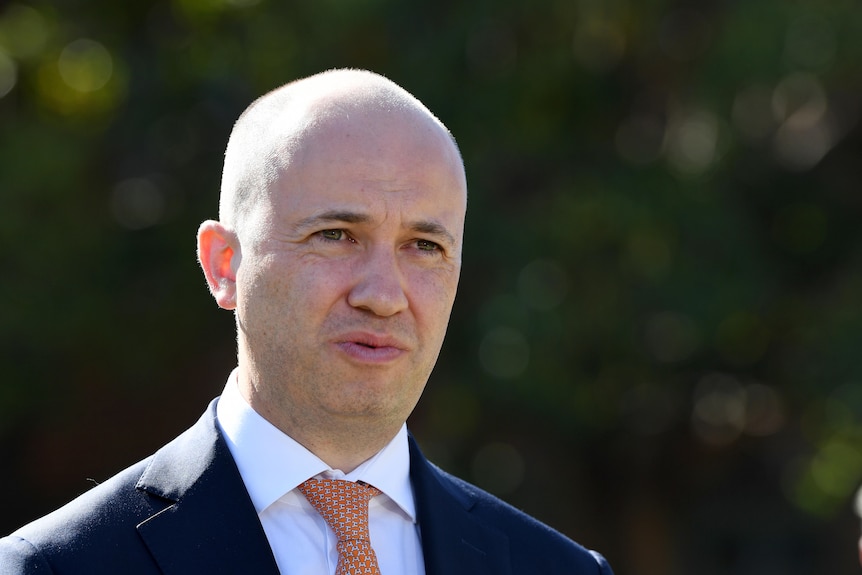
(368, 408)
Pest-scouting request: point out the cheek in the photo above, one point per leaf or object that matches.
(432, 297)
(317, 281)
(266, 291)
(305, 291)
(256, 285)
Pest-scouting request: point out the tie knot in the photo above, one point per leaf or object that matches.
(343, 505)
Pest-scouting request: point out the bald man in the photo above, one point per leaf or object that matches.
(338, 249)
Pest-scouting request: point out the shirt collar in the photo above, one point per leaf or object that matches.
(272, 463)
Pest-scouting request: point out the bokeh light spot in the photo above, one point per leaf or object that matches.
(138, 203)
(504, 353)
(805, 135)
(764, 410)
(725, 408)
(718, 417)
(85, 65)
(8, 73)
(837, 467)
(693, 142)
(24, 31)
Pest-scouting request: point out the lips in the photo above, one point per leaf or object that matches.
(364, 347)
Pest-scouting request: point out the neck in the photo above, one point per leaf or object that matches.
(343, 442)
(341, 455)
(341, 445)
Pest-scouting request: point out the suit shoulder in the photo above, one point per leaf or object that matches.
(107, 512)
(528, 537)
(488, 506)
(18, 556)
(98, 532)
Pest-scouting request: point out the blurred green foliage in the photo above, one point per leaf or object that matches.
(661, 305)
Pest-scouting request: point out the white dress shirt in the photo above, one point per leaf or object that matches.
(272, 465)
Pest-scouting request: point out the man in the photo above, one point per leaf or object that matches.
(339, 249)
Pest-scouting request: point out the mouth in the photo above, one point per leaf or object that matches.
(371, 348)
(373, 341)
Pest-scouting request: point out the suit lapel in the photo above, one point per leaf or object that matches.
(453, 541)
(212, 526)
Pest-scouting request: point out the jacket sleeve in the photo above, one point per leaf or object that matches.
(19, 557)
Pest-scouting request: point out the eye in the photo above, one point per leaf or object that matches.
(427, 246)
(333, 235)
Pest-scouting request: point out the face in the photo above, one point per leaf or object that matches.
(347, 274)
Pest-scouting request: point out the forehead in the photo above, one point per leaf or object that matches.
(396, 139)
(375, 163)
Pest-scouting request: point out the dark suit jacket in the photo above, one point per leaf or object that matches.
(185, 510)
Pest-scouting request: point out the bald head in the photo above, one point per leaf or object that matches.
(339, 251)
(275, 130)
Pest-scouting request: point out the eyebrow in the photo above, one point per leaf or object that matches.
(430, 227)
(333, 216)
(434, 229)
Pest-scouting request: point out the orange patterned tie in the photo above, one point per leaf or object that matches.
(344, 507)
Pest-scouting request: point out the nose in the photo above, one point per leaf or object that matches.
(380, 287)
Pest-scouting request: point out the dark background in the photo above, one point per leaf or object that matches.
(655, 347)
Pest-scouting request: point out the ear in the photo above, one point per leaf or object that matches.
(219, 256)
